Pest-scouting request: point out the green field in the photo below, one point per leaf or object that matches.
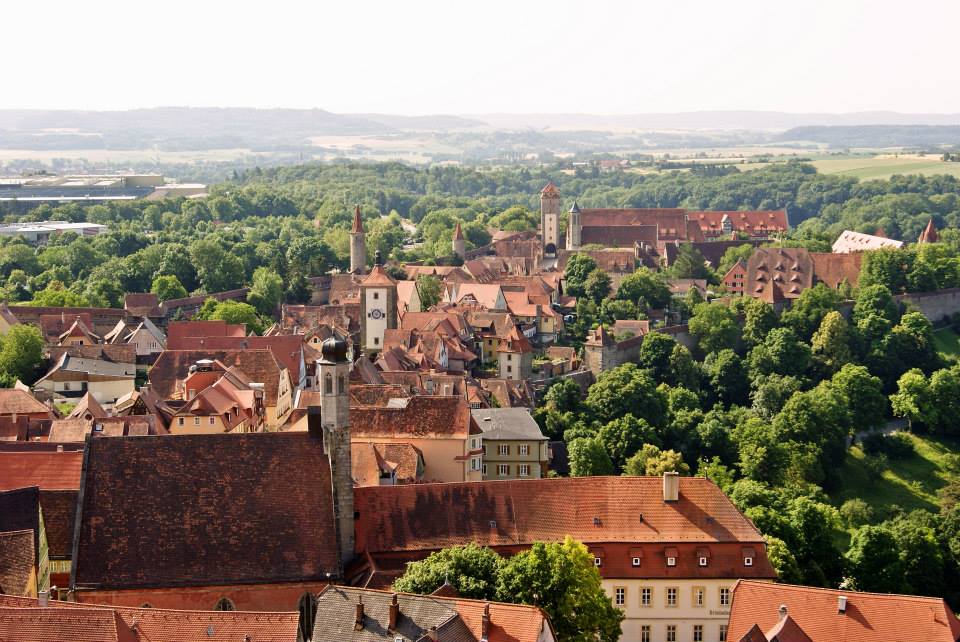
(872, 167)
(910, 483)
(947, 343)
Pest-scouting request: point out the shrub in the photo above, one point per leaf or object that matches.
(875, 465)
(856, 513)
(895, 445)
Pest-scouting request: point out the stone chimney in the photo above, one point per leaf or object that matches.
(782, 611)
(841, 604)
(43, 598)
(671, 487)
(485, 624)
(358, 617)
(432, 634)
(394, 616)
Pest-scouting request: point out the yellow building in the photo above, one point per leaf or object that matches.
(513, 445)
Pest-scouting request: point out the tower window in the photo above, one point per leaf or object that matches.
(341, 385)
(328, 384)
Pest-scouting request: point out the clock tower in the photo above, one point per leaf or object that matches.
(378, 307)
(550, 219)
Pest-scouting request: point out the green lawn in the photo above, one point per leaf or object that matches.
(884, 167)
(947, 343)
(910, 483)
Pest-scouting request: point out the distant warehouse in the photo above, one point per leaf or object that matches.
(28, 191)
(41, 231)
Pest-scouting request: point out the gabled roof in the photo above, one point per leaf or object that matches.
(20, 511)
(419, 416)
(87, 405)
(218, 328)
(520, 512)
(369, 460)
(507, 423)
(550, 189)
(46, 469)
(850, 241)
(141, 304)
(19, 402)
(287, 348)
(172, 367)
(56, 624)
(869, 617)
(158, 490)
(378, 277)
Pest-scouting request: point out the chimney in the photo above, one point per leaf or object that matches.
(485, 624)
(43, 597)
(783, 611)
(841, 604)
(432, 634)
(394, 613)
(671, 486)
(358, 618)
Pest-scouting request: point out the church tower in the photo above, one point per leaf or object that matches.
(574, 228)
(459, 242)
(550, 219)
(358, 245)
(333, 415)
(378, 307)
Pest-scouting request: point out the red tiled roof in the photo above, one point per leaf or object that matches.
(755, 223)
(18, 402)
(49, 470)
(458, 233)
(172, 366)
(421, 416)
(378, 276)
(17, 561)
(287, 348)
(357, 222)
(179, 329)
(156, 625)
(520, 512)
(216, 509)
(53, 624)
(508, 622)
(550, 189)
(834, 269)
(929, 234)
(869, 617)
(59, 517)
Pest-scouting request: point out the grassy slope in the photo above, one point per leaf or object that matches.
(909, 483)
(871, 168)
(948, 343)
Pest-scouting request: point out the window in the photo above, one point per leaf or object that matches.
(473, 443)
(724, 597)
(484, 469)
(376, 341)
(224, 604)
(509, 357)
(672, 596)
(180, 421)
(503, 449)
(597, 561)
(636, 561)
(328, 384)
(646, 596)
(196, 421)
(671, 633)
(671, 561)
(212, 420)
(697, 633)
(645, 633)
(699, 595)
(524, 449)
(376, 295)
(503, 470)
(341, 385)
(475, 463)
(146, 605)
(620, 596)
(723, 633)
(509, 368)
(748, 561)
(66, 385)
(524, 470)
(703, 561)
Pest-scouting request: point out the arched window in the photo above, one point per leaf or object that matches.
(342, 385)
(224, 604)
(308, 615)
(328, 384)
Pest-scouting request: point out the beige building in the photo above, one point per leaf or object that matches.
(75, 376)
(513, 445)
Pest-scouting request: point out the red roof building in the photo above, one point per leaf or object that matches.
(765, 612)
(733, 281)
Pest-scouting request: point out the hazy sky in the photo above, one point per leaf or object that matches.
(454, 56)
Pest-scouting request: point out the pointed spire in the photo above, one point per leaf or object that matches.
(458, 233)
(929, 234)
(575, 208)
(357, 222)
(550, 190)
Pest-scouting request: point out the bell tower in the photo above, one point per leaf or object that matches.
(550, 219)
(459, 242)
(358, 245)
(378, 307)
(574, 228)
(333, 415)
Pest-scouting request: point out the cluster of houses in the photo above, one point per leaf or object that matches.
(173, 478)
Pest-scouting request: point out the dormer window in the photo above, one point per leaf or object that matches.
(703, 561)
(671, 554)
(597, 561)
(748, 561)
(636, 561)
(748, 555)
(671, 561)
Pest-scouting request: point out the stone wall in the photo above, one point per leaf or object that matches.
(934, 305)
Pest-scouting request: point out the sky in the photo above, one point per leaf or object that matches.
(486, 56)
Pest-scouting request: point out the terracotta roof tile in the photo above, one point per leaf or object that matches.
(59, 518)
(18, 402)
(869, 617)
(17, 562)
(53, 624)
(420, 416)
(208, 518)
(49, 470)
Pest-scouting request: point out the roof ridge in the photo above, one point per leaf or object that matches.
(820, 589)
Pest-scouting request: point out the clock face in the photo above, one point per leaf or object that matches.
(376, 314)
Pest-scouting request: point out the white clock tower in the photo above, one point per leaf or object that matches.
(378, 307)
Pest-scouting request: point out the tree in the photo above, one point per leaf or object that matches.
(771, 392)
(780, 353)
(689, 263)
(217, 269)
(759, 320)
(808, 310)
(21, 353)
(876, 300)
(233, 312)
(472, 570)
(56, 296)
(646, 289)
(863, 394)
(298, 289)
(266, 292)
(561, 579)
(655, 353)
(783, 561)
(873, 560)
(579, 267)
(597, 286)
(588, 458)
(626, 390)
(623, 437)
(816, 551)
(921, 556)
(817, 418)
(563, 395)
(428, 287)
(832, 342)
(886, 267)
(166, 287)
(913, 399)
(763, 456)
(727, 376)
(715, 326)
(650, 460)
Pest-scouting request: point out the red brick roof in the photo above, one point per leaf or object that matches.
(53, 624)
(179, 329)
(550, 189)
(50, 470)
(378, 276)
(508, 622)
(19, 402)
(215, 509)
(869, 617)
(59, 517)
(834, 269)
(458, 233)
(165, 625)
(172, 366)
(929, 234)
(421, 416)
(287, 348)
(520, 512)
(755, 223)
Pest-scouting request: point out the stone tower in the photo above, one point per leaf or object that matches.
(550, 219)
(574, 228)
(358, 245)
(459, 242)
(378, 307)
(333, 371)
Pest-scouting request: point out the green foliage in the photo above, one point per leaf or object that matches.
(563, 395)
(759, 320)
(597, 286)
(472, 570)
(856, 512)
(783, 561)
(232, 312)
(579, 267)
(623, 437)
(266, 292)
(21, 354)
(833, 342)
(727, 377)
(587, 457)
(873, 560)
(626, 390)
(646, 289)
(780, 353)
(690, 264)
(167, 286)
(650, 460)
(561, 579)
(428, 287)
(808, 310)
(715, 327)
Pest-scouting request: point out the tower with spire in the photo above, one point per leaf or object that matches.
(573, 228)
(378, 307)
(929, 234)
(550, 219)
(358, 245)
(459, 242)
